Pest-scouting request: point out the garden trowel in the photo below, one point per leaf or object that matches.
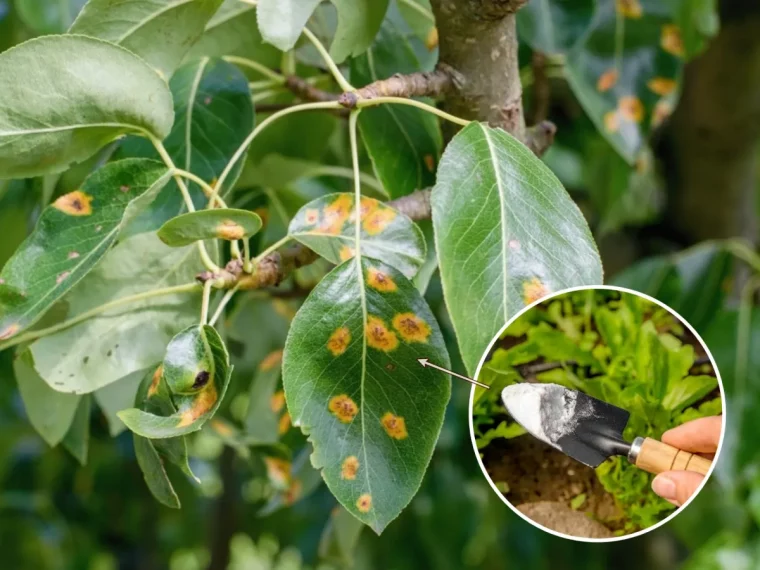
(590, 430)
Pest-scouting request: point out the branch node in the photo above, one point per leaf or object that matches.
(540, 137)
(418, 84)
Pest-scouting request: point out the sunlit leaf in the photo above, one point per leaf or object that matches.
(281, 21)
(227, 224)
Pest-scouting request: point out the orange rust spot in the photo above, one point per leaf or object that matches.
(364, 503)
(377, 220)
(394, 426)
(411, 327)
(366, 207)
(336, 214)
(230, 230)
(612, 121)
(202, 404)
(270, 361)
(378, 335)
(284, 309)
(431, 40)
(61, 277)
(293, 493)
(607, 80)
(346, 252)
(221, 428)
(73, 255)
(662, 85)
(533, 290)
(429, 162)
(349, 468)
(631, 108)
(630, 8)
(343, 408)
(670, 40)
(284, 424)
(380, 280)
(311, 216)
(661, 111)
(277, 401)
(338, 341)
(278, 471)
(153, 388)
(75, 203)
(9, 331)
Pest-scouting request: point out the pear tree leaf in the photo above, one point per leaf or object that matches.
(71, 238)
(327, 226)
(262, 425)
(227, 223)
(48, 17)
(507, 233)
(358, 24)
(281, 21)
(154, 472)
(77, 439)
(114, 397)
(159, 31)
(196, 371)
(353, 384)
(554, 26)
(65, 97)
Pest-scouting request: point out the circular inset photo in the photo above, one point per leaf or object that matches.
(604, 415)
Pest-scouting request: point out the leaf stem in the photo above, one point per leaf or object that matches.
(352, 120)
(260, 127)
(278, 78)
(205, 301)
(361, 103)
(331, 65)
(223, 303)
(247, 265)
(207, 188)
(275, 246)
(34, 335)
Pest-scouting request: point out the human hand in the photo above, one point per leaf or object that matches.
(698, 436)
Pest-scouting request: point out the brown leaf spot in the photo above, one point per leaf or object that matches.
(513, 244)
(9, 331)
(201, 379)
(124, 188)
(630, 8)
(230, 230)
(278, 471)
(311, 216)
(411, 327)
(394, 426)
(661, 111)
(98, 228)
(380, 281)
(75, 203)
(264, 215)
(207, 100)
(222, 428)
(349, 468)
(662, 85)
(284, 424)
(338, 341)
(533, 290)
(61, 277)
(377, 220)
(364, 503)
(293, 493)
(429, 162)
(612, 121)
(336, 214)
(670, 40)
(631, 108)
(343, 408)
(271, 360)
(73, 255)
(346, 252)
(277, 401)
(378, 335)
(201, 404)
(607, 80)
(153, 388)
(431, 40)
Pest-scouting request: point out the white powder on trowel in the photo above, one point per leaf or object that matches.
(547, 411)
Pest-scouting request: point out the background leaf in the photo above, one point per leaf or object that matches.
(48, 17)
(281, 21)
(77, 439)
(358, 23)
(554, 26)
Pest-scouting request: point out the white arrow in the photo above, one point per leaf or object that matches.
(425, 363)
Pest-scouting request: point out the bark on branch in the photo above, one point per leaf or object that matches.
(420, 84)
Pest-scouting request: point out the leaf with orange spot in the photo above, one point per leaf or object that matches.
(196, 372)
(385, 233)
(43, 268)
(219, 223)
(344, 397)
(662, 85)
(607, 80)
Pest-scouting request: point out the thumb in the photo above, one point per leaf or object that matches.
(677, 486)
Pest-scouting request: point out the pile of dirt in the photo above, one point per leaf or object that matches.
(562, 518)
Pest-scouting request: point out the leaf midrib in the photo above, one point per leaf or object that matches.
(70, 128)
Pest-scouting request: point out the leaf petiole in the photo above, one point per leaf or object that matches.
(275, 246)
(362, 103)
(331, 65)
(205, 300)
(276, 78)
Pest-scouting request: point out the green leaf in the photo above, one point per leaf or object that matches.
(110, 346)
(115, 397)
(404, 143)
(418, 14)
(350, 372)
(77, 439)
(64, 97)
(48, 17)
(196, 370)
(154, 472)
(506, 232)
(340, 538)
(50, 412)
(699, 22)
(213, 116)
(326, 225)
(261, 421)
(554, 26)
(227, 224)
(358, 23)
(159, 31)
(71, 238)
(688, 391)
(281, 21)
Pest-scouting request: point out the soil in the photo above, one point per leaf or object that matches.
(562, 518)
(535, 472)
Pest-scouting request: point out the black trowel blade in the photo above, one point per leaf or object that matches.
(586, 429)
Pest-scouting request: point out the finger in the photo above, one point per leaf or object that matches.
(700, 436)
(677, 486)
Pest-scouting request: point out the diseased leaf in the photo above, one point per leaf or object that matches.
(77, 439)
(281, 21)
(213, 115)
(404, 143)
(351, 375)
(554, 26)
(196, 371)
(358, 23)
(159, 31)
(227, 224)
(64, 97)
(71, 238)
(506, 233)
(50, 412)
(46, 17)
(327, 226)
(126, 339)
(264, 405)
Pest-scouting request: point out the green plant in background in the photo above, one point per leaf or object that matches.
(619, 348)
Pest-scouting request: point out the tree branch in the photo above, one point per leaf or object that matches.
(306, 91)
(418, 84)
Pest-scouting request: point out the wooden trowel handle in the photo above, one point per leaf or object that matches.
(655, 457)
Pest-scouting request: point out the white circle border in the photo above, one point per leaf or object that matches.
(677, 511)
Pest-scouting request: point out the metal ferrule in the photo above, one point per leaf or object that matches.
(633, 454)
